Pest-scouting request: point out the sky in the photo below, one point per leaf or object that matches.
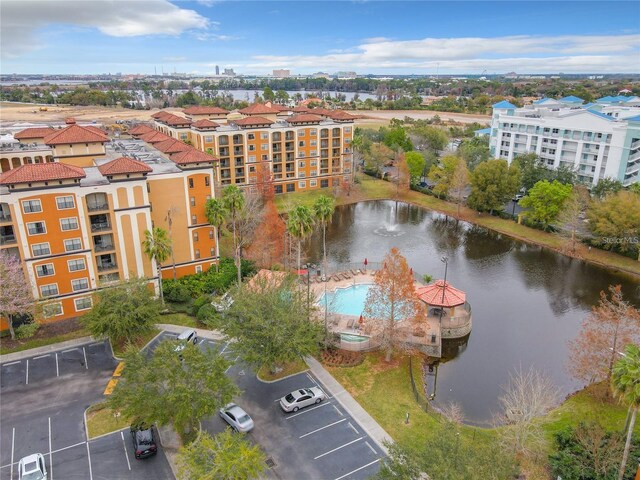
(368, 37)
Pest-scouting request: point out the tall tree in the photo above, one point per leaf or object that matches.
(123, 312)
(268, 248)
(493, 183)
(403, 180)
(545, 201)
(392, 304)
(269, 319)
(573, 212)
(432, 138)
(474, 151)
(300, 226)
(416, 164)
(173, 388)
(532, 169)
(606, 186)
(15, 294)
(442, 175)
(612, 324)
(459, 184)
(626, 386)
(396, 138)
(378, 156)
(615, 221)
(233, 201)
(216, 216)
(323, 210)
(225, 456)
(157, 246)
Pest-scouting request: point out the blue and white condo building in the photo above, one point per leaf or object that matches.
(600, 139)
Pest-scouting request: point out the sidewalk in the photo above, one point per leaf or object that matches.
(34, 352)
(375, 431)
(209, 334)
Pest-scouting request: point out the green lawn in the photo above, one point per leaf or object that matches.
(102, 420)
(180, 319)
(40, 342)
(289, 369)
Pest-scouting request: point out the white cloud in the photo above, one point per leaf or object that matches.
(522, 53)
(207, 36)
(21, 20)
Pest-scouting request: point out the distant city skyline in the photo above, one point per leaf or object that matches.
(370, 37)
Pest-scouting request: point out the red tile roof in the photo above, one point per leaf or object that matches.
(432, 295)
(250, 121)
(171, 145)
(301, 109)
(140, 129)
(160, 114)
(41, 172)
(204, 123)
(97, 130)
(304, 118)
(154, 137)
(192, 156)
(75, 134)
(341, 115)
(123, 165)
(279, 108)
(36, 132)
(321, 111)
(203, 110)
(258, 109)
(171, 119)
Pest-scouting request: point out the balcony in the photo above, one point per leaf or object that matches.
(289, 136)
(104, 266)
(276, 137)
(103, 243)
(224, 151)
(635, 145)
(276, 148)
(5, 217)
(238, 151)
(100, 223)
(108, 278)
(8, 239)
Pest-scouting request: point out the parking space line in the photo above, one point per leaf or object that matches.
(52, 452)
(57, 368)
(13, 441)
(50, 455)
(225, 347)
(89, 458)
(86, 365)
(70, 350)
(338, 448)
(371, 448)
(41, 356)
(201, 342)
(125, 449)
(338, 410)
(68, 447)
(358, 469)
(322, 428)
(318, 385)
(26, 380)
(234, 362)
(95, 344)
(307, 410)
(12, 363)
(354, 428)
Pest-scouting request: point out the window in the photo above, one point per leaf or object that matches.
(69, 223)
(183, 136)
(206, 181)
(191, 183)
(208, 138)
(252, 148)
(31, 206)
(52, 309)
(301, 164)
(192, 200)
(314, 163)
(194, 219)
(198, 268)
(301, 143)
(49, 290)
(252, 169)
(211, 234)
(324, 183)
(313, 183)
(76, 265)
(291, 187)
(80, 284)
(197, 253)
(36, 228)
(313, 143)
(83, 303)
(251, 136)
(277, 188)
(265, 158)
(40, 249)
(302, 184)
(45, 270)
(212, 252)
(264, 135)
(252, 158)
(314, 153)
(195, 236)
(301, 133)
(264, 146)
(302, 175)
(72, 244)
(65, 202)
(313, 132)
(347, 129)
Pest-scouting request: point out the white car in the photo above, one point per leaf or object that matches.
(301, 398)
(186, 337)
(32, 467)
(237, 418)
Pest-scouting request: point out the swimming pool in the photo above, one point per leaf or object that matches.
(347, 301)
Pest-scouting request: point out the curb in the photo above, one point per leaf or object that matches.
(9, 357)
(283, 378)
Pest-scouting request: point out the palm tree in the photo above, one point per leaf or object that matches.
(233, 201)
(323, 210)
(626, 386)
(157, 246)
(300, 226)
(216, 216)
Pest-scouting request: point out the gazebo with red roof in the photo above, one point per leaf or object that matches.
(441, 294)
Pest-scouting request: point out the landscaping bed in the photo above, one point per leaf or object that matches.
(47, 334)
(335, 357)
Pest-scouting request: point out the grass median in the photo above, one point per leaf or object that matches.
(102, 420)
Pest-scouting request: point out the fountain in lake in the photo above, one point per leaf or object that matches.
(390, 227)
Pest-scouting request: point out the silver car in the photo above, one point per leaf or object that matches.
(237, 418)
(32, 467)
(301, 398)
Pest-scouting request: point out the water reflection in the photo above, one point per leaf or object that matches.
(527, 301)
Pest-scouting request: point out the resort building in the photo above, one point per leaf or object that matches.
(600, 139)
(294, 149)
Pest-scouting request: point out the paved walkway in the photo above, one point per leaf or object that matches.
(375, 431)
(34, 352)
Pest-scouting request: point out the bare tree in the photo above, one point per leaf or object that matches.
(527, 396)
(572, 214)
(248, 219)
(453, 412)
(459, 184)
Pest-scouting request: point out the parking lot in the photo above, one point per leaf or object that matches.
(319, 442)
(43, 399)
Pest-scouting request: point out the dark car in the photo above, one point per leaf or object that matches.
(144, 442)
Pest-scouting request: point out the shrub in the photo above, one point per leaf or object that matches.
(200, 302)
(26, 330)
(178, 293)
(208, 315)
